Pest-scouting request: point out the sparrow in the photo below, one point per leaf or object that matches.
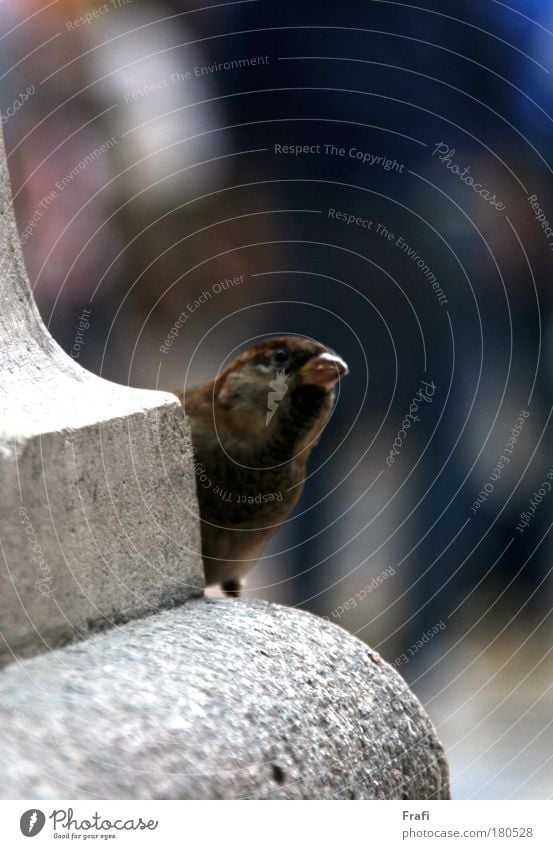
(253, 428)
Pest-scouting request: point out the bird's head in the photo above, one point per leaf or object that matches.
(281, 383)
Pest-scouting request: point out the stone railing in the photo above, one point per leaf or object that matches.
(180, 696)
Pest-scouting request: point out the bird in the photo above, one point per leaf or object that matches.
(253, 428)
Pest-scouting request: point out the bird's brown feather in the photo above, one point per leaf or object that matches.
(250, 473)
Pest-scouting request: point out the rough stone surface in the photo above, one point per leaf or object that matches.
(214, 699)
(219, 699)
(98, 513)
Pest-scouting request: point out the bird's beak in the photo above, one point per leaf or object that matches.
(323, 370)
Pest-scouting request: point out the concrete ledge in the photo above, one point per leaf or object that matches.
(98, 512)
(216, 700)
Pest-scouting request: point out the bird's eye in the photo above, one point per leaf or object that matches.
(280, 357)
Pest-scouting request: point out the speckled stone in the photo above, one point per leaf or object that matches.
(218, 699)
(98, 512)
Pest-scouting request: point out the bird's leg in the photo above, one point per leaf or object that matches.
(232, 587)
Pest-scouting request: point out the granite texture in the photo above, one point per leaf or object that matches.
(219, 699)
(180, 697)
(98, 511)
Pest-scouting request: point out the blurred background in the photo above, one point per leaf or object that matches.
(254, 168)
